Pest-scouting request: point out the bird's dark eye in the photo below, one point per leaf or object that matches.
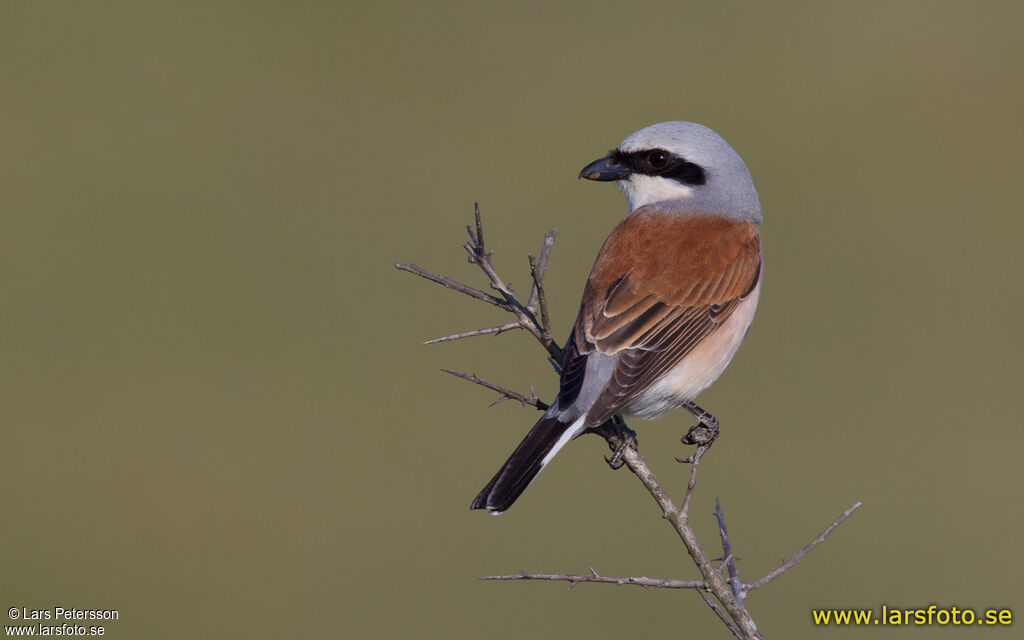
(658, 159)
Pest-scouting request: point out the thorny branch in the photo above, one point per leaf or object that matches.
(526, 315)
(723, 593)
(593, 576)
(789, 564)
(669, 583)
(728, 559)
(506, 393)
(476, 332)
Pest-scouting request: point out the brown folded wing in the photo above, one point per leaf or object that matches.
(662, 282)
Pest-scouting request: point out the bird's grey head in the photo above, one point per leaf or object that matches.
(684, 163)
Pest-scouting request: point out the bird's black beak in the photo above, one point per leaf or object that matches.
(605, 170)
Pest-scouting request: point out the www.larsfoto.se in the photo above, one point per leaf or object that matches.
(934, 614)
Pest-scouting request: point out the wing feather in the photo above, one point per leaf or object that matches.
(661, 283)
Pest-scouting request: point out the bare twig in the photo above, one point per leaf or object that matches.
(657, 583)
(788, 564)
(691, 484)
(506, 394)
(681, 523)
(477, 332)
(721, 616)
(452, 284)
(538, 277)
(540, 269)
(730, 560)
(479, 256)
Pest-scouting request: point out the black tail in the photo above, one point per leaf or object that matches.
(523, 465)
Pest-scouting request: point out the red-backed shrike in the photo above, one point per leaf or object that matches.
(668, 302)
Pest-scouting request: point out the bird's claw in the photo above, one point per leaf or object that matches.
(703, 434)
(615, 462)
(619, 437)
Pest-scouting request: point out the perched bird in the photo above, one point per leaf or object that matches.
(669, 300)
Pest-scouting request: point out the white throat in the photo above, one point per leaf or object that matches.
(643, 190)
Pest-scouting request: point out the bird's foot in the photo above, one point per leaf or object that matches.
(619, 437)
(703, 434)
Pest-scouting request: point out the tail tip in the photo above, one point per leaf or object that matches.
(481, 503)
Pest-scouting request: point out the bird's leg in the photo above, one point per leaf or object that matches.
(702, 434)
(619, 437)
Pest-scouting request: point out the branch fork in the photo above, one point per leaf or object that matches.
(532, 316)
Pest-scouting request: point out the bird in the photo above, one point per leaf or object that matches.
(669, 300)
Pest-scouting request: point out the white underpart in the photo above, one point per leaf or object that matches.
(642, 190)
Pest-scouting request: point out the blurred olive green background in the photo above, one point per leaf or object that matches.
(217, 414)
